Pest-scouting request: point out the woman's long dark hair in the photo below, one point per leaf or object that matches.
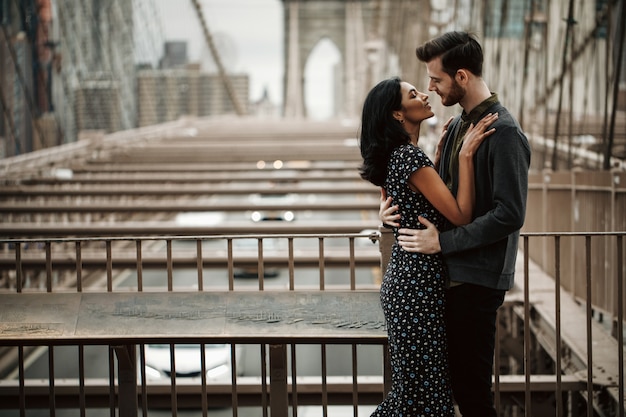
(381, 133)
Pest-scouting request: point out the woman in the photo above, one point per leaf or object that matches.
(412, 292)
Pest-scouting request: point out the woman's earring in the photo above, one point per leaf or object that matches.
(402, 121)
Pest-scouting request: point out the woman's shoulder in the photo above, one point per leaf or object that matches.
(412, 152)
(409, 149)
(412, 155)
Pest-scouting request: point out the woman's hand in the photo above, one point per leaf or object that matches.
(476, 134)
(387, 213)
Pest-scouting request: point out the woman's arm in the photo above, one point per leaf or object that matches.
(427, 181)
(387, 212)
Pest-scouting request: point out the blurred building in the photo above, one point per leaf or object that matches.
(174, 55)
(95, 84)
(96, 105)
(16, 125)
(69, 65)
(165, 95)
(265, 108)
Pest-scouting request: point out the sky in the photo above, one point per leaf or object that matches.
(249, 34)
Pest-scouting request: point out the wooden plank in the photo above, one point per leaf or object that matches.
(177, 317)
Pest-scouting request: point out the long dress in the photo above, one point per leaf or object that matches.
(412, 298)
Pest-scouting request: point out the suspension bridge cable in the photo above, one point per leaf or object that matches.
(220, 67)
(9, 118)
(22, 82)
(600, 17)
(616, 76)
(568, 33)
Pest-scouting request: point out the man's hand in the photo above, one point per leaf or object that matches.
(387, 213)
(422, 241)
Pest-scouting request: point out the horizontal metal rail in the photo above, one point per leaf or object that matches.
(28, 229)
(538, 321)
(339, 390)
(251, 176)
(96, 166)
(209, 154)
(178, 206)
(358, 187)
(364, 257)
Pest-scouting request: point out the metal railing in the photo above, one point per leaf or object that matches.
(567, 201)
(580, 202)
(555, 354)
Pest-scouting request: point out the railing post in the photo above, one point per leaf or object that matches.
(545, 208)
(127, 377)
(387, 239)
(279, 401)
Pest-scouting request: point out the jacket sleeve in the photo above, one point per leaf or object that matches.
(501, 192)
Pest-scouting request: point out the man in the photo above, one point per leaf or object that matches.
(480, 256)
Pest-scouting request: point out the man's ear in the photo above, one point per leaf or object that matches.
(462, 76)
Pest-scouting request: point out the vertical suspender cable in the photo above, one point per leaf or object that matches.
(220, 67)
(527, 38)
(25, 90)
(570, 23)
(616, 76)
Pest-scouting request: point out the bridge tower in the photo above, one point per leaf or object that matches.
(307, 22)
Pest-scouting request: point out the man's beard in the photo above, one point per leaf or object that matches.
(454, 96)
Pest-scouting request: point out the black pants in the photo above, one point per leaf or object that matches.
(471, 327)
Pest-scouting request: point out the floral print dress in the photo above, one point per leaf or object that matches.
(412, 298)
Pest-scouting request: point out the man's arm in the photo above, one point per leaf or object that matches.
(389, 214)
(510, 185)
(503, 208)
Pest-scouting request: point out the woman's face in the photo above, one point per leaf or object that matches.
(415, 107)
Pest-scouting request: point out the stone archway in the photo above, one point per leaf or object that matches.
(321, 93)
(308, 21)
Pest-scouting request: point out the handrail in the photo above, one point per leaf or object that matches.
(587, 357)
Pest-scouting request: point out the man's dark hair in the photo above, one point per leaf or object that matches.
(458, 50)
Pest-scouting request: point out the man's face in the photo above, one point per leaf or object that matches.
(441, 83)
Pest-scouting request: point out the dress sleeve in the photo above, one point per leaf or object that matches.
(414, 159)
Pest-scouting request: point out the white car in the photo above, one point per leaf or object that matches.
(188, 361)
(283, 213)
(250, 247)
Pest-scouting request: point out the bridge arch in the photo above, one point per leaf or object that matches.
(322, 69)
(307, 22)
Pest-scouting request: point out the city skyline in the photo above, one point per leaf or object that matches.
(249, 35)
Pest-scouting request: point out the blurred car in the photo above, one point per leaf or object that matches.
(277, 210)
(250, 247)
(188, 361)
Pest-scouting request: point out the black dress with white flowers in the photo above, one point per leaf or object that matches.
(412, 298)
